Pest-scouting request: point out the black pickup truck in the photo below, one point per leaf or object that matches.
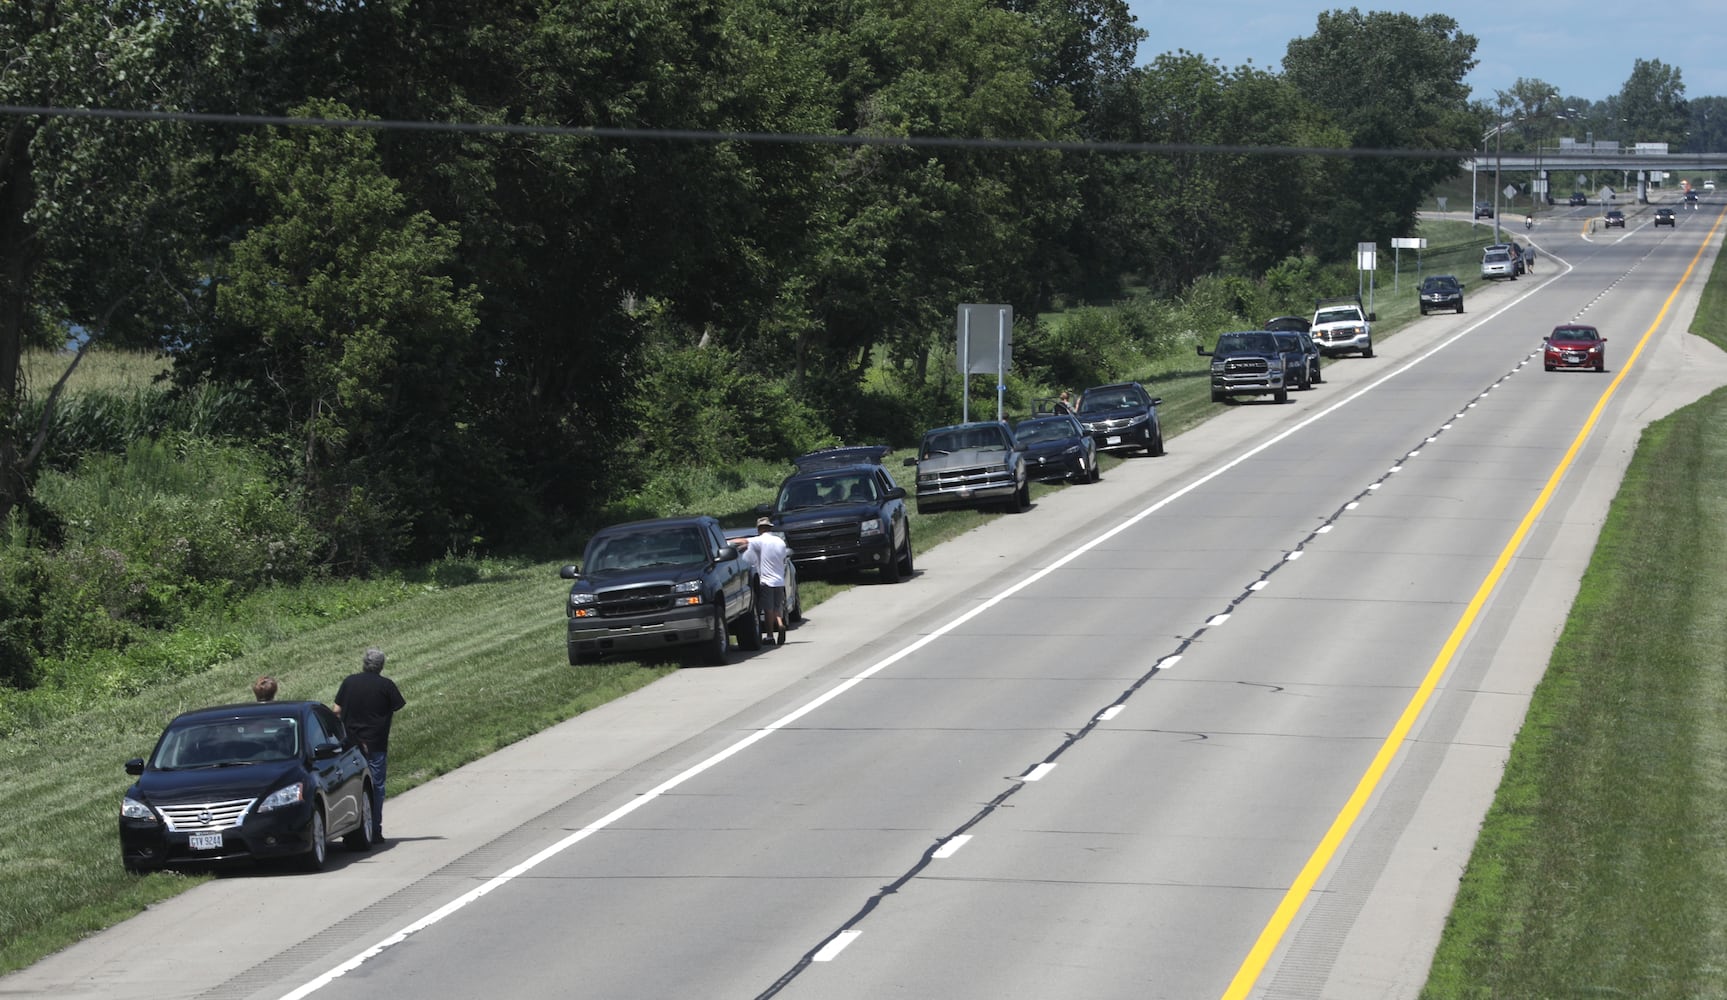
(1253, 363)
(650, 585)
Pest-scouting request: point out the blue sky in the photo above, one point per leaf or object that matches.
(1585, 47)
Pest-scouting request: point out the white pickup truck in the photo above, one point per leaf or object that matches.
(1342, 326)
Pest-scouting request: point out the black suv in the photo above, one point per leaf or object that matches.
(1578, 198)
(1121, 416)
(1613, 218)
(1441, 291)
(1665, 217)
(1253, 363)
(676, 581)
(842, 511)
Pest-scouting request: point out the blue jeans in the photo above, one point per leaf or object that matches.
(376, 761)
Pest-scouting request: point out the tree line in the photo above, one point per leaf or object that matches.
(554, 250)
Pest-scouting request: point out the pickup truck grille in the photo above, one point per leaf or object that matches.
(823, 538)
(975, 477)
(628, 601)
(1245, 366)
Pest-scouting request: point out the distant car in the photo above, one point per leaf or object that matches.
(657, 585)
(1057, 447)
(1498, 264)
(1665, 217)
(1708, 185)
(1441, 291)
(971, 465)
(1615, 218)
(1579, 198)
(1300, 357)
(841, 510)
(1484, 210)
(248, 782)
(1515, 250)
(1300, 324)
(1574, 345)
(1122, 416)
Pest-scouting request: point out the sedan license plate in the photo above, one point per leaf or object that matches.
(1112, 439)
(205, 841)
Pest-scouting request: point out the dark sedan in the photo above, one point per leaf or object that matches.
(1122, 416)
(1578, 198)
(1665, 217)
(1057, 447)
(246, 782)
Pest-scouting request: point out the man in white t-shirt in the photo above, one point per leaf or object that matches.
(770, 554)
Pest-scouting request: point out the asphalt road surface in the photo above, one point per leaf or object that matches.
(1222, 725)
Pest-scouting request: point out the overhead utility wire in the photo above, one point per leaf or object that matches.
(703, 135)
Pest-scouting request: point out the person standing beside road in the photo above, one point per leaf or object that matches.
(771, 552)
(367, 702)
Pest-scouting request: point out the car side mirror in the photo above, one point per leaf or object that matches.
(898, 492)
(764, 509)
(909, 463)
(1603, 340)
(570, 571)
(327, 751)
(135, 766)
(1157, 400)
(727, 554)
(1201, 351)
(1373, 317)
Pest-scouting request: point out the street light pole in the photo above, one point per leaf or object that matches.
(1498, 163)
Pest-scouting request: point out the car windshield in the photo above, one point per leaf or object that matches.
(1038, 431)
(227, 743)
(1336, 316)
(1496, 257)
(1099, 400)
(1231, 343)
(1574, 333)
(821, 491)
(964, 439)
(648, 548)
(1438, 284)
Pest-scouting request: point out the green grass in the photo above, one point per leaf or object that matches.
(101, 369)
(1711, 320)
(1601, 869)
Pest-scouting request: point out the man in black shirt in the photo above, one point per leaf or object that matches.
(367, 701)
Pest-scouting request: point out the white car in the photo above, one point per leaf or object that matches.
(1708, 185)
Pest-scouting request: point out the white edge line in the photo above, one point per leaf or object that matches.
(845, 938)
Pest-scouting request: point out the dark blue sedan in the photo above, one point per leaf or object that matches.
(246, 782)
(1058, 447)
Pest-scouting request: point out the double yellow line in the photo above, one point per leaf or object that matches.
(1281, 919)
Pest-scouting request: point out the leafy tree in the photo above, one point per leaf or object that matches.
(347, 321)
(1652, 104)
(94, 214)
(1708, 125)
(1394, 82)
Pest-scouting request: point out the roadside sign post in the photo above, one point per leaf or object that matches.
(1398, 244)
(985, 347)
(1366, 263)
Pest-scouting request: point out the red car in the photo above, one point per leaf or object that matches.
(1575, 346)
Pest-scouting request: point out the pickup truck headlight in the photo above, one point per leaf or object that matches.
(870, 526)
(687, 593)
(582, 604)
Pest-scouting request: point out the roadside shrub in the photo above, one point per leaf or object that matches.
(698, 406)
(1083, 347)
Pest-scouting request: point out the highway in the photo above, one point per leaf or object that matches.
(1222, 725)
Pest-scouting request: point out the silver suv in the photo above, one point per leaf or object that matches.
(1498, 264)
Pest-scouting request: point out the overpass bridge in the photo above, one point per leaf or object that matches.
(1553, 168)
